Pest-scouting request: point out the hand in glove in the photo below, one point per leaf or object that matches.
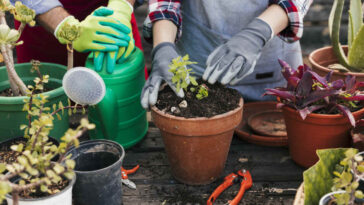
(122, 13)
(98, 33)
(234, 60)
(162, 56)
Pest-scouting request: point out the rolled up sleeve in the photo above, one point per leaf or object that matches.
(163, 10)
(39, 6)
(296, 10)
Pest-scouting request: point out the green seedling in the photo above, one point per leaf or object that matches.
(34, 166)
(182, 76)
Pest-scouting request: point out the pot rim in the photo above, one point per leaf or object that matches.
(329, 194)
(315, 115)
(312, 61)
(98, 141)
(70, 185)
(216, 117)
(20, 99)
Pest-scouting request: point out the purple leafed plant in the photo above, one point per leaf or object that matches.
(307, 92)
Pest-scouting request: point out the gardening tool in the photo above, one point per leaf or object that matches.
(124, 176)
(242, 176)
(119, 115)
(84, 86)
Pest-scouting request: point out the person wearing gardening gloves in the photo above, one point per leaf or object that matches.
(236, 43)
(107, 31)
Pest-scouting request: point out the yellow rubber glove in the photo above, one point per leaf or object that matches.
(122, 12)
(98, 33)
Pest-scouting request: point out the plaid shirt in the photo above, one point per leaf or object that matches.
(170, 9)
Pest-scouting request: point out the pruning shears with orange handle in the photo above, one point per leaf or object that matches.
(243, 177)
(124, 176)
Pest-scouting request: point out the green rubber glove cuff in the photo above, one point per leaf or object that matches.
(70, 20)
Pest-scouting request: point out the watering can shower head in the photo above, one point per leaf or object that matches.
(84, 86)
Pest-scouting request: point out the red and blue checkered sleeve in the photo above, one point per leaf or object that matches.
(296, 10)
(160, 10)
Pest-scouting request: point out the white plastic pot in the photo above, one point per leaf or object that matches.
(64, 197)
(327, 197)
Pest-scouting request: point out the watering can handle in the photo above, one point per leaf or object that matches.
(107, 111)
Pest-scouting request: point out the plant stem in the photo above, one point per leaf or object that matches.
(14, 87)
(21, 28)
(67, 107)
(69, 56)
(15, 196)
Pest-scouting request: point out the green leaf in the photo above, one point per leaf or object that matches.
(2, 167)
(58, 116)
(193, 81)
(43, 188)
(70, 164)
(334, 29)
(356, 51)
(22, 127)
(58, 168)
(318, 179)
(359, 194)
(355, 20)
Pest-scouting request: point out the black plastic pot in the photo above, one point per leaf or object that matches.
(98, 164)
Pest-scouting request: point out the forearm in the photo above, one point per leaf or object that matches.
(276, 17)
(164, 31)
(50, 19)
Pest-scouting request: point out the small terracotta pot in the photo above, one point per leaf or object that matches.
(323, 57)
(197, 148)
(317, 131)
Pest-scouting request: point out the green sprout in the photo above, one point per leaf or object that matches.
(182, 76)
(202, 92)
(351, 170)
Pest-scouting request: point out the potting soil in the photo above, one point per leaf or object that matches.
(220, 100)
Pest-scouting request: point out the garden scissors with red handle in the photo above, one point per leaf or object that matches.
(124, 176)
(243, 177)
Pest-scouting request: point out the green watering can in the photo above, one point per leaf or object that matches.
(119, 116)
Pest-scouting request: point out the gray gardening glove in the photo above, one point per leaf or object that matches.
(162, 56)
(234, 60)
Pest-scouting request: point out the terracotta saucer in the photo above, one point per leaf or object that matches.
(268, 123)
(244, 132)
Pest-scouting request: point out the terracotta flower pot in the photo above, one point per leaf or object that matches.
(323, 57)
(197, 148)
(317, 131)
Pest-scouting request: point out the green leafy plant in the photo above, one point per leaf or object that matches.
(182, 76)
(34, 167)
(351, 170)
(353, 61)
(318, 179)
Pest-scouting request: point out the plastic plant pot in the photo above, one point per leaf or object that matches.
(64, 197)
(98, 172)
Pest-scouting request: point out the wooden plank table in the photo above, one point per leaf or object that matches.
(275, 176)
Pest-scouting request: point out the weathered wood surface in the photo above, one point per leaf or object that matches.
(276, 177)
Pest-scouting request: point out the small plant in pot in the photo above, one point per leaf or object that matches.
(318, 112)
(196, 140)
(17, 77)
(345, 60)
(33, 177)
(348, 174)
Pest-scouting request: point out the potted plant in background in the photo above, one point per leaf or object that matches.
(318, 112)
(357, 135)
(14, 78)
(196, 130)
(33, 178)
(345, 60)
